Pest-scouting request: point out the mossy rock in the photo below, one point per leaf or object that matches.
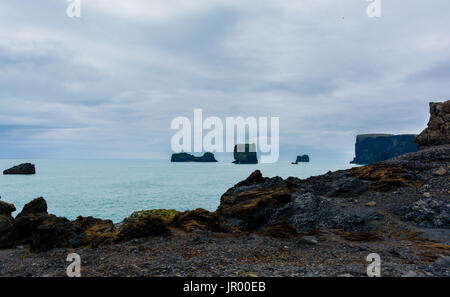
(166, 215)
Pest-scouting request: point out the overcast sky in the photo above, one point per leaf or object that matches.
(108, 85)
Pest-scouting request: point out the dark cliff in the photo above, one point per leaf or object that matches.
(371, 148)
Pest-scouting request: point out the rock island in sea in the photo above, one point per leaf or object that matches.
(185, 157)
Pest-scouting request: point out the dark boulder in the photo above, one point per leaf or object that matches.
(83, 232)
(248, 204)
(144, 227)
(26, 168)
(245, 154)
(92, 232)
(198, 219)
(36, 206)
(6, 220)
(51, 233)
(185, 157)
(6, 208)
(28, 220)
(371, 148)
(275, 206)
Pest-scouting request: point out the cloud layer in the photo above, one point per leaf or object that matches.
(108, 85)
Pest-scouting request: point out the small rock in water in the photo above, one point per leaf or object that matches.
(371, 204)
(440, 172)
(346, 275)
(426, 195)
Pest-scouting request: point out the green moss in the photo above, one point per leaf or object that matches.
(164, 214)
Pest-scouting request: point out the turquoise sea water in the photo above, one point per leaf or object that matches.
(113, 189)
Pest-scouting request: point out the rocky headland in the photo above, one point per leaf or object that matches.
(371, 148)
(185, 157)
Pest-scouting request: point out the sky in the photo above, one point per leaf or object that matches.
(108, 84)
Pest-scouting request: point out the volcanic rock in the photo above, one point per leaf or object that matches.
(198, 219)
(26, 168)
(185, 157)
(145, 227)
(302, 159)
(438, 130)
(371, 148)
(245, 154)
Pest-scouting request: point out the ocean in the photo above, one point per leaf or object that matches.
(113, 189)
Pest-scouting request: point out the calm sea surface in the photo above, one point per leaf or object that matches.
(113, 189)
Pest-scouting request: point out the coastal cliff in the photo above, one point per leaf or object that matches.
(371, 148)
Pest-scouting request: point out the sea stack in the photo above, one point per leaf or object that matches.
(185, 157)
(245, 154)
(26, 168)
(438, 130)
(302, 159)
(372, 148)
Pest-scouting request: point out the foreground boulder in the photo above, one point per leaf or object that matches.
(36, 206)
(166, 215)
(438, 130)
(248, 204)
(185, 157)
(245, 154)
(371, 148)
(33, 226)
(6, 220)
(144, 227)
(83, 232)
(28, 220)
(198, 219)
(266, 205)
(26, 168)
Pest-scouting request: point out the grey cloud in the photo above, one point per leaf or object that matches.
(110, 83)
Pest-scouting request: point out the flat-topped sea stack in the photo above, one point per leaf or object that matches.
(245, 154)
(26, 168)
(185, 157)
(438, 130)
(372, 148)
(302, 159)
